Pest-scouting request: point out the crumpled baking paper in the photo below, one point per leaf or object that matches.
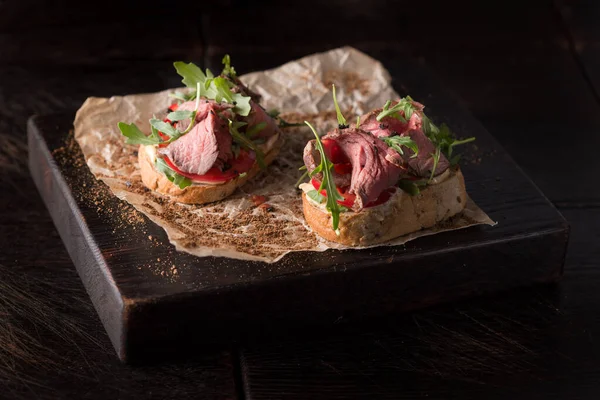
(300, 89)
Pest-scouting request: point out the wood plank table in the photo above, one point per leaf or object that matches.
(522, 76)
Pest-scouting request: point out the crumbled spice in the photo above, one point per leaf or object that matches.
(120, 216)
(349, 80)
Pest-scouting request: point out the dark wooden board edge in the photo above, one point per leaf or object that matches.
(304, 304)
(76, 236)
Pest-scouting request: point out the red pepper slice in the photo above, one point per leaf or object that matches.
(349, 199)
(242, 164)
(342, 168)
(334, 152)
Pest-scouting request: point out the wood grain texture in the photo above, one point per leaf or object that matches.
(52, 344)
(511, 345)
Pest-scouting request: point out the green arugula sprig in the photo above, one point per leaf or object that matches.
(228, 70)
(443, 138)
(211, 87)
(444, 141)
(243, 141)
(396, 143)
(136, 136)
(342, 124)
(327, 183)
(405, 105)
(436, 159)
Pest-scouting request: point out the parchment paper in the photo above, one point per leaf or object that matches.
(235, 227)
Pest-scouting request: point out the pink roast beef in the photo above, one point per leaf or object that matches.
(372, 169)
(390, 126)
(207, 144)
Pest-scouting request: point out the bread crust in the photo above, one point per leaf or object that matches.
(401, 215)
(197, 194)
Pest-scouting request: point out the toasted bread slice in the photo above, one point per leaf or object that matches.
(197, 193)
(400, 215)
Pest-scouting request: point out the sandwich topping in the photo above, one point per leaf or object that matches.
(207, 144)
(360, 164)
(405, 119)
(215, 132)
(396, 147)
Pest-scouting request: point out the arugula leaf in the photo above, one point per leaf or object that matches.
(405, 105)
(135, 136)
(273, 113)
(191, 74)
(395, 142)
(164, 127)
(409, 187)
(180, 115)
(327, 183)
(316, 196)
(154, 134)
(245, 142)
(242, 104)
(457, 143)
(255, 129)
(443, 138)
(178, 180)
(221, 90)
(340, 117)
(211, 87)
(228, 70)
(436, 160)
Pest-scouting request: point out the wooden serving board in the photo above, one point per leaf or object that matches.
(154, 300)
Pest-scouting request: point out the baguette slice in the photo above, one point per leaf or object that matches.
(197, 193)
(400, 215)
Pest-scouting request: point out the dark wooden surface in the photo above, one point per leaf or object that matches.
(521, 76)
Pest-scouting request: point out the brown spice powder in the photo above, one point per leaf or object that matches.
(348, 80)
